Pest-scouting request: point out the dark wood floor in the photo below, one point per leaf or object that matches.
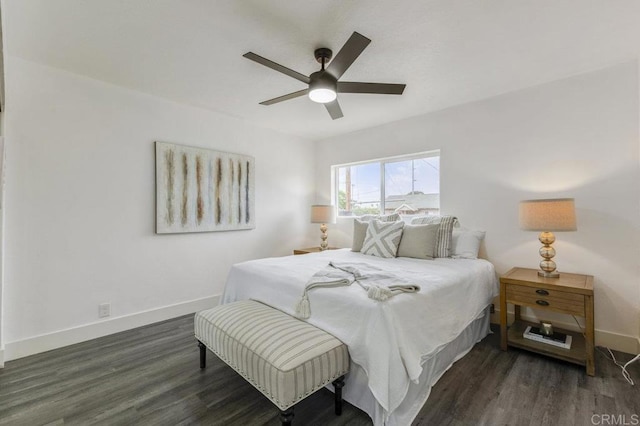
(150, 376)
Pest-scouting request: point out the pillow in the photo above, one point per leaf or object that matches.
(443, 245)
(382, 238)
(393, 217)
(359, 232)
(361, 223)
(418, 241)
(368, 217)
(465, 243)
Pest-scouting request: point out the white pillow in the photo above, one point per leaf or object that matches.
(382, 238)
(465, 243)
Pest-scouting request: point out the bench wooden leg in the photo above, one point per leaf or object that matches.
(203, 354)
(338, 384)
(286, 416)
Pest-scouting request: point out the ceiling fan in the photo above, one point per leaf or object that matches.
(324, 85)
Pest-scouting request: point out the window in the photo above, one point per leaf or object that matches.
(408, 185)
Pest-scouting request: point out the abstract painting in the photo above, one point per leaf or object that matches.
(201, 190)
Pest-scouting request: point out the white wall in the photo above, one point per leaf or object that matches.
(1, 232)
(577, 137)
(2, 50)
(80, 205)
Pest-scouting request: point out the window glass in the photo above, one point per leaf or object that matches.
(409, 186)
(359, 189)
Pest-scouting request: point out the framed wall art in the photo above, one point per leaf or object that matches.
(201, 190)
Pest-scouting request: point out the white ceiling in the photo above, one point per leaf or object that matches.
(448, 52)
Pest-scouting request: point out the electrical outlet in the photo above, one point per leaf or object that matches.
(104, 310)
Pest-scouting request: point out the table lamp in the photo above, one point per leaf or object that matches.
(323, 214)
(548, 216)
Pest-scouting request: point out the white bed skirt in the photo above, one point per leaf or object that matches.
(358, 393)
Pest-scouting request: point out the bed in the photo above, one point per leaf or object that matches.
(400, 347)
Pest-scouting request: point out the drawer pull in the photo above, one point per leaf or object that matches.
(542, 302)
(542, 292)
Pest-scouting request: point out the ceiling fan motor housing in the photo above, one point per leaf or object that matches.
(323, 87)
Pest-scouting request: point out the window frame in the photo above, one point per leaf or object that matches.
(382, 161)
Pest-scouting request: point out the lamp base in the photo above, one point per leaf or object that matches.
(549, 274)
(547, 265)
(323, 231)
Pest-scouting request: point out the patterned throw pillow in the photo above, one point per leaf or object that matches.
(361, 224)
(393, 217)
(368, 217)
(443, 245)
(382, 238)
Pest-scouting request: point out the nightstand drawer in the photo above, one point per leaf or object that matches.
(553, 300)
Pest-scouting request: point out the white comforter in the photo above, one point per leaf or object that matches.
(387, 339)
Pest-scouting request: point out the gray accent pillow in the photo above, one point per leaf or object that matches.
(382, 238)
(359, 232)
(443, 245)
(418, 241)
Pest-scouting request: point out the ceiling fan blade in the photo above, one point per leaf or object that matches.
(275, 66)
(379, 88)
(334, 109)
(349, 53)
(285, 97)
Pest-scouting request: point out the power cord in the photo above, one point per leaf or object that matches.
(625, 373)
(579, 326)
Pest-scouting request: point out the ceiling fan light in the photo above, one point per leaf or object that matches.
(322, 95)
(322, 88)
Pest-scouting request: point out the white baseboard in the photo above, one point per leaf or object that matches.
(608, 339)
(70, 336)
(1, 358)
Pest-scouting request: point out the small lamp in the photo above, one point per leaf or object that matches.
(323, 214)
(548, 215)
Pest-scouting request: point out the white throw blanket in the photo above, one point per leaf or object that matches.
(378, 284)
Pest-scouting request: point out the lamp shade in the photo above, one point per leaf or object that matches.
(552, 215)
(323, 214)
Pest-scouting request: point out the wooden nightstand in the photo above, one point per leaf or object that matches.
(571, 294)
(311, 250)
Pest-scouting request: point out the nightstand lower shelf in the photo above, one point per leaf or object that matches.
(576, 355)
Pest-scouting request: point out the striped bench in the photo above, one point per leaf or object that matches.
(284, 358)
